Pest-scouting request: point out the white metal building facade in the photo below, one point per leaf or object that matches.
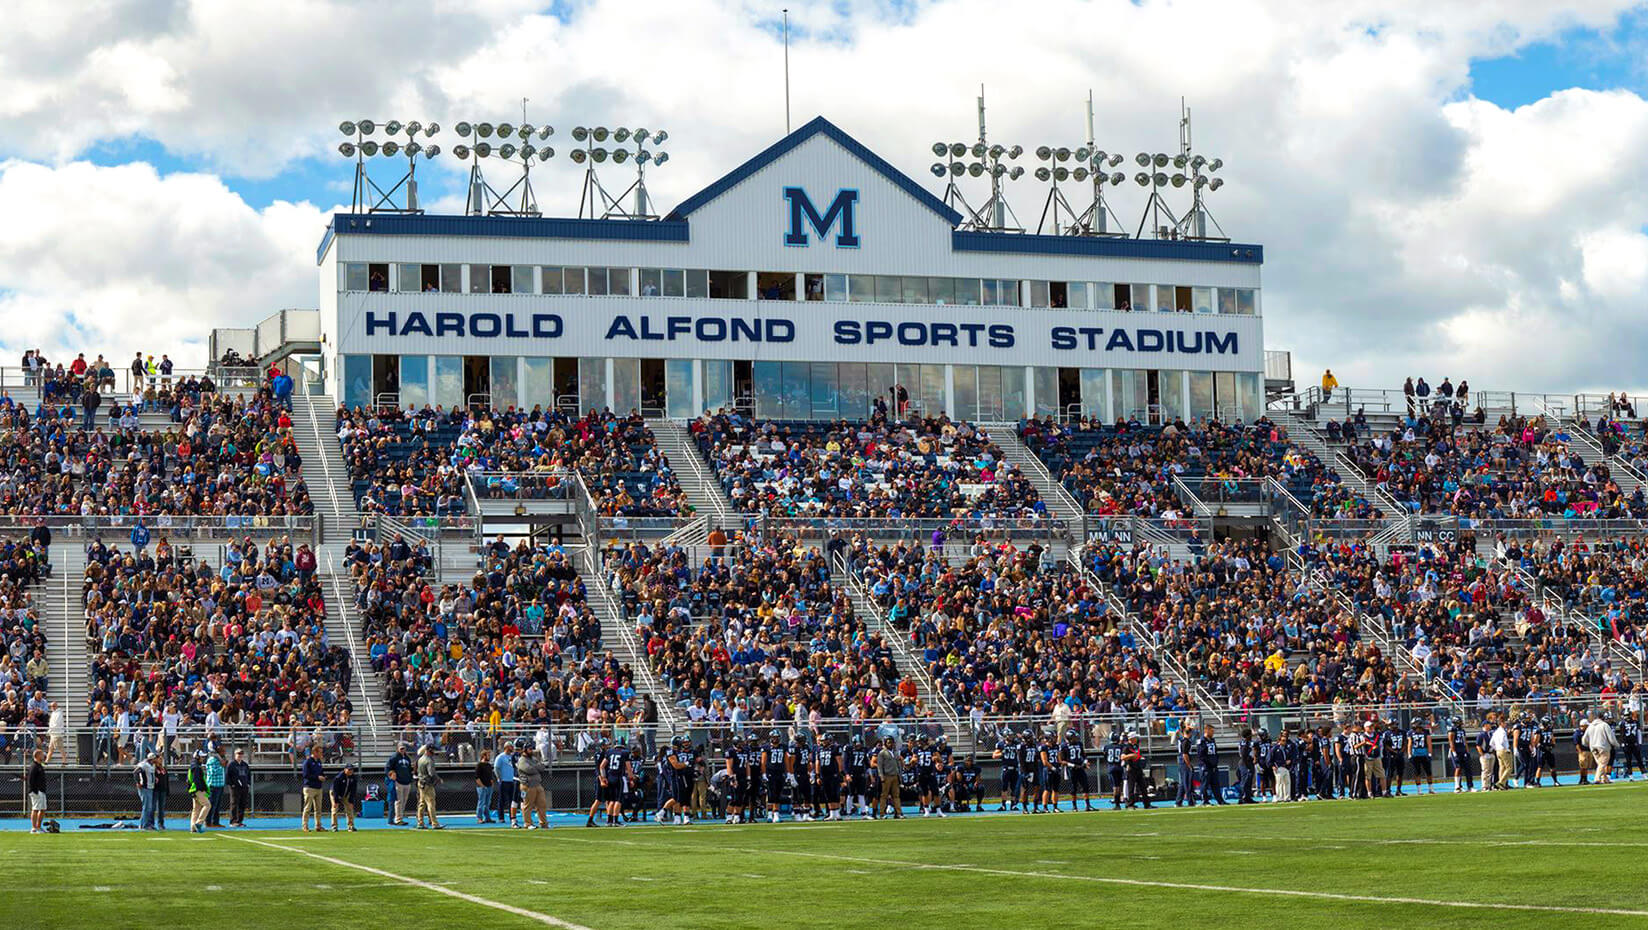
(804, 284)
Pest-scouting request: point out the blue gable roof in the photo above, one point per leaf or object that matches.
(783, 146)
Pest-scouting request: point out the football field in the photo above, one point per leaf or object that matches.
(1530, 858)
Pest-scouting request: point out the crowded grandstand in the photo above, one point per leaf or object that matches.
(673, 548)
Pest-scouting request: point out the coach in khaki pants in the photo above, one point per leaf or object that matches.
(1504, 758)
(889, 767)
(314, 784)
(428, 781)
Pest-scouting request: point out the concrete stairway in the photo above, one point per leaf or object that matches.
(619, 639)
(65, 622)
(1053, 492)
(704, 491)
(324, 469)
(1173, 671)
(1305, 433)
(904, 657)
(343, 629)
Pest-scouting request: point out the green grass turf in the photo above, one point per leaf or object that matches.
(1572, 847)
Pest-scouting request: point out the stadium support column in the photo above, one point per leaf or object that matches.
(697, 386)
(950, 394)
(611, 383)
(1029, 395)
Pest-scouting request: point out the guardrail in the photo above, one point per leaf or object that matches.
(217, 526)
(957, 531)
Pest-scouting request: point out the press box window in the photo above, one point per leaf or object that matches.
(775, 285)
(727, 285)
(354, 276)
(413, 279)
(697, 281)
(652, 282)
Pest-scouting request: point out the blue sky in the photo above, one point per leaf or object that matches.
(1587, 58)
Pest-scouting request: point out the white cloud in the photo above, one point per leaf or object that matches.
(1408, 225)
(119, 259)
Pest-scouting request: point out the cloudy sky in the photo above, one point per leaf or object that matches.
(1442, 188)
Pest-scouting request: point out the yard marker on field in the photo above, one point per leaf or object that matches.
(214, 887)
(416, 883)
(100, 887)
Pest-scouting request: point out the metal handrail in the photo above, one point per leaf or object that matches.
(1206, 703)
(668, 712)
(1194, 500)
(346, 620)
(1380, 631)
(898, 641)
(705, 479)
(1026, 460)
(326, 467)
(1608, 645)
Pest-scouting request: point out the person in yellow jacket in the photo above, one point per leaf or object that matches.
(1329, 382)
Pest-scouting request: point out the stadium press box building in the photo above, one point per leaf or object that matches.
(806, 283)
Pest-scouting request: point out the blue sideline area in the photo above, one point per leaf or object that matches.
(461, 820)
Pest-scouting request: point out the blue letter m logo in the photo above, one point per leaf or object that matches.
(802, 212)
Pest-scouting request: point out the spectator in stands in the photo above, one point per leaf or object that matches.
(1329, 385)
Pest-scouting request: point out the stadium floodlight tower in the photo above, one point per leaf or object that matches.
(1057, 216)
(1194, 224)
(519, 200)
(594, 202)
(996, 215)
(633, 202)
(1152, 176)
(1097, 220)
(402, 196)
(481, 198)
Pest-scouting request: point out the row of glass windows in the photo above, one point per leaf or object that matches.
(798, 390)
(841, 288)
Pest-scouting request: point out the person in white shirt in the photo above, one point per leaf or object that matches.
(1600, 739)
(1504, 759)
(57, 729)
(168, 727)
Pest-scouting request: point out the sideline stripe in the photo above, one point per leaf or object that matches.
(1144, 883)
(416, 883)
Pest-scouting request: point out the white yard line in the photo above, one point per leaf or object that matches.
(416, 883)
(1400, 841)
(1141, 883)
